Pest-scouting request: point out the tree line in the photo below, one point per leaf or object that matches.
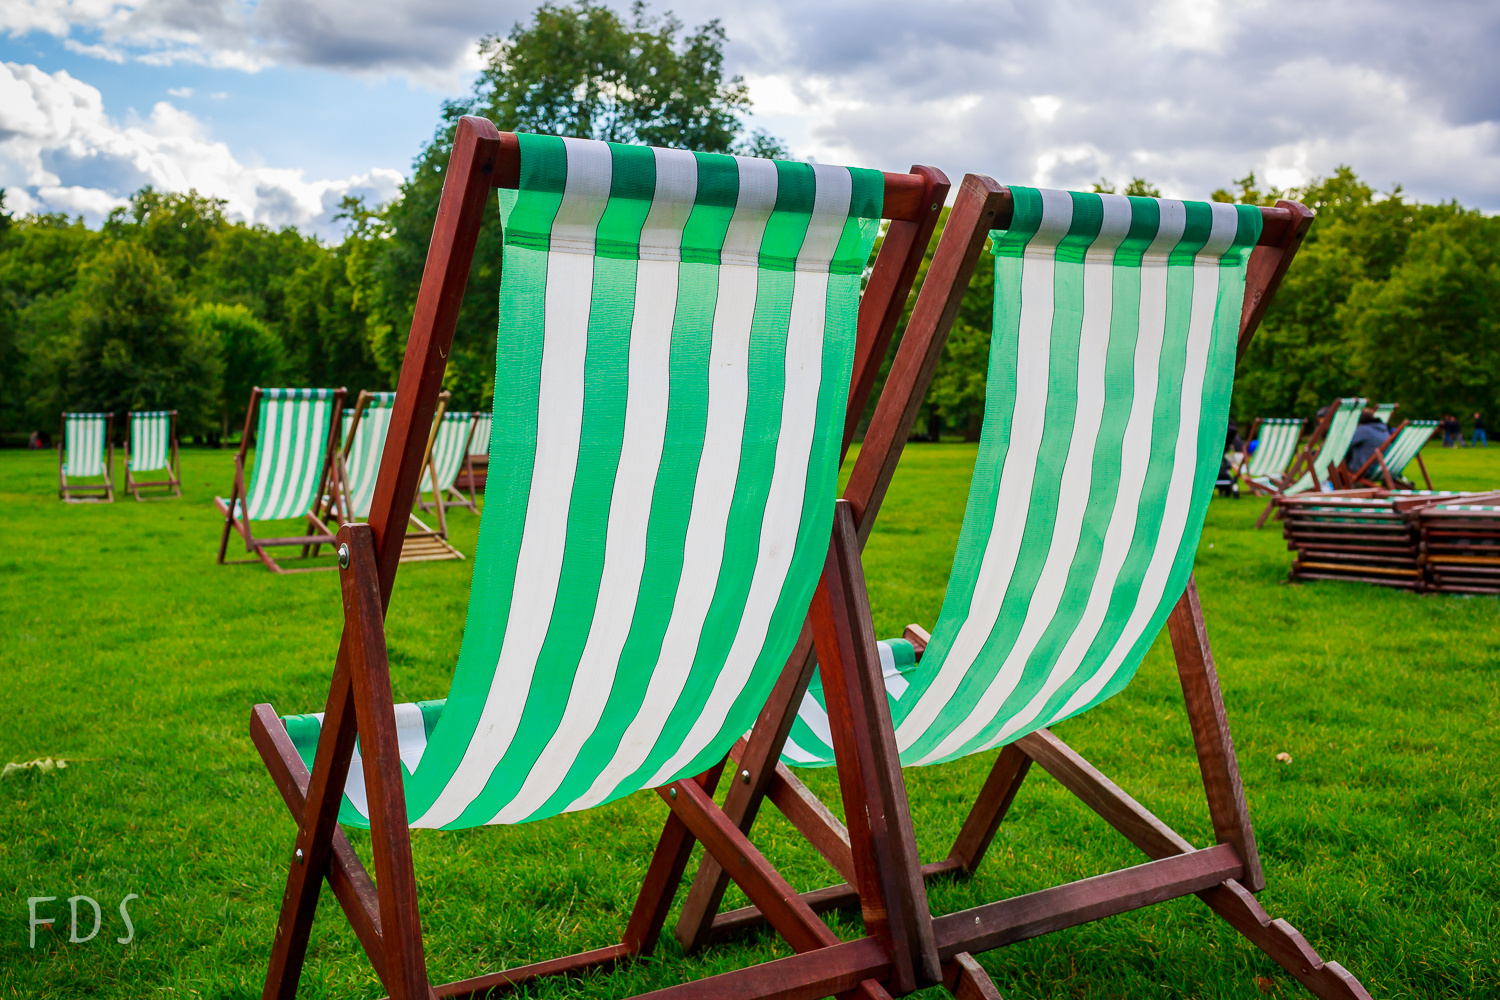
(171, 305)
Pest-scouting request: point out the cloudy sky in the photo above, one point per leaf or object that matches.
(283, 106)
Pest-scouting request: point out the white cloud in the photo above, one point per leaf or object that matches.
(183, 92)
(60, 152)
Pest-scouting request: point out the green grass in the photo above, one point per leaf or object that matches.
(127, 650)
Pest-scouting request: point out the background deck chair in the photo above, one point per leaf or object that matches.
(709, 241)
(1264, 470)
(1391, 459)
(85, 450)
(1051, 607)
(296, 471)
(1331, 438)
(445, 456)
(152, 447)
(476, 459)
(364, 433)
(1383, 412)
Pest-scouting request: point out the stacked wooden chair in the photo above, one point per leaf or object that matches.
(1460, 544)
(86, 450)
(445, 456)
(364, 433)
(151, 446)
(476, 460)
(685, 339)
(1318, 470)
(1117, 324)
(1264, 470)
(1391, 459)
(296, 473)
(1356, 535)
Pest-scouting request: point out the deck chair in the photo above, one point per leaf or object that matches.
(85, 450)
(1319, 471)
(476, 459)
(683, 337)
(364, 432)
(1264, 470)
(1115, 336)
(445, 456)
(1383, 412)
(1391, 458)
(152, 447)
(296, 472)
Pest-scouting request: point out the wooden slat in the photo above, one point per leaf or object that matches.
(813, 820)
(999, 790)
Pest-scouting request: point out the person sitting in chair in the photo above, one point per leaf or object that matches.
(1368, 436)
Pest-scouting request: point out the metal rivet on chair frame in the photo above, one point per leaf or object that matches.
(343, 555)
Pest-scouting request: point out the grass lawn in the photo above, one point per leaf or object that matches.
(127, 651)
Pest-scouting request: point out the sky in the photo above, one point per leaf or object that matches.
(282, 107)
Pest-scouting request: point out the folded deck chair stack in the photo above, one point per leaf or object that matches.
(1360, 537)
(1264, 469)
(445, 456)
(86, 450)
(684, 338)
(151, 446)
(295, 476)
(476, 461)
(364, 433)
(1460, 544)
(1387, 467)
(1117, 324)
(1319, 471)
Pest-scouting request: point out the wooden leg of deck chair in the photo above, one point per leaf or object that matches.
(1210, 725)
(1423, 466)
(989, 809)
(966, 980)
(1260, 522)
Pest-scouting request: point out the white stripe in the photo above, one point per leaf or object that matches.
(713, 491)
(798, 755)
(816, 718)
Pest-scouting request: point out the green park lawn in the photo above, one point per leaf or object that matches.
(128, 652)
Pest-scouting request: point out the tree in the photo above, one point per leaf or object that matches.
(250, 354)
(134, 349)
(1138, 187)
(178, 228)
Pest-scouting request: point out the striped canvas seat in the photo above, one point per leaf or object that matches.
(150, 440)
(1111, 364)
(1383, 413)
(1411, 439)
(1335, 445)
(447, 451)
(1278, 443)
(291, 442)
(84, 438)
(364, 443)
(479, 442)
(676, 359)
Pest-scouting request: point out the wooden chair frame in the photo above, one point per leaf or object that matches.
(330, 489)
(91, 492)
(174, 468)
(429, 465)
(384, 913)
(1358, 478)
(1224, 875)
(1306, 462)
(466, 479)
(1244, 467)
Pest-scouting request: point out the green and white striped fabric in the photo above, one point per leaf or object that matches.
(1399, 453)
(675, 359)
(291, 442)
(1278, 443)
(448, 451)
(363, 450)
(479, 444)
(1335, 445)
(1383, 413)
(1111, 366)
(150, 440)
(83, 443)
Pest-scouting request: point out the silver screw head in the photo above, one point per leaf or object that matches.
(298, 856)
(745, 777)
(672, 792)
(343, 556)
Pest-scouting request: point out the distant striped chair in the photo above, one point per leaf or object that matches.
(446, 450)
(1264, 469)
(679, 338)
(477, 452)
(1331, 438)
(86, 450)
(1392, 458)
(1383, 412)
(295, 473)
(1111, 365)
(152, 447)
